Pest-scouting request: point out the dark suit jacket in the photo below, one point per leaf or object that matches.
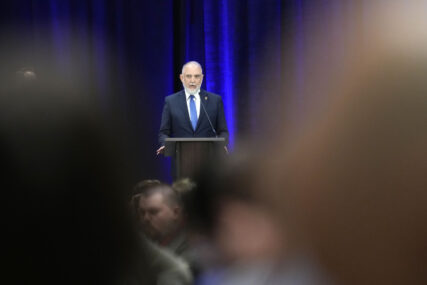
(176, 120)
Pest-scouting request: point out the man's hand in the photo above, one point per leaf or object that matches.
(160, 150)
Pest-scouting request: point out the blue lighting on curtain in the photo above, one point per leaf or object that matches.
(218, 57)
(228, 71)
(60, 32)
(138, 46)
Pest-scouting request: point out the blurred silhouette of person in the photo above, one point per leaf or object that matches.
(168, 266)
(66, 218)
(159, 210)
(349, 182)
(64, 221)
(196, 243)
(246, 244)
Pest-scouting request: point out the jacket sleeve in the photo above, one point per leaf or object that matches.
(221, 124)
(165, 125)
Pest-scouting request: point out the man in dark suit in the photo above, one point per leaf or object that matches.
(185, 112)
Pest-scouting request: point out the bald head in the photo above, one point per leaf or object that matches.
(192, 64)
(192, 77)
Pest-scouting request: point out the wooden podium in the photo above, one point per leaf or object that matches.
(189, 154)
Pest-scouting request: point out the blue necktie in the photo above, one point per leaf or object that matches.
(193, 112)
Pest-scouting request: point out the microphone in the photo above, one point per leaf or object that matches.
(207, 116)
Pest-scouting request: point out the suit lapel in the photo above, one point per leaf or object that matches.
(184, 108)
(204, 99)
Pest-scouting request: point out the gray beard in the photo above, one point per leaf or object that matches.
(191, 92)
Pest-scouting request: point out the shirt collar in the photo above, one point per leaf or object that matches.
(187, 95)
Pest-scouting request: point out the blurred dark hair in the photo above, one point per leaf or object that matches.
(144, 185)
(216, 185)
(149, 187)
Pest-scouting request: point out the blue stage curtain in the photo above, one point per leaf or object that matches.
(137, 49)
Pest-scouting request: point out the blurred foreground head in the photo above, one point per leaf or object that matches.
(64, 217)
(224, 207)
(350, 181)
(158, 210)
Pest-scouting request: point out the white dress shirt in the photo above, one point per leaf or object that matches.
(196, 100)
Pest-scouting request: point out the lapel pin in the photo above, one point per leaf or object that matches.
(206, 97)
